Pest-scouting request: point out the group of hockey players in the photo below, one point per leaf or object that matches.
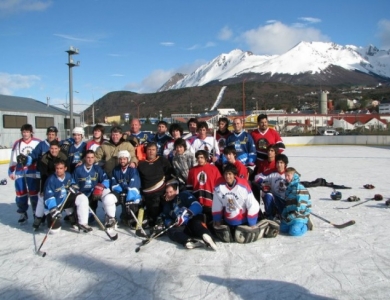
(196, 187)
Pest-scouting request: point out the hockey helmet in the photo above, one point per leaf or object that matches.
(124, 153)
(78, 130)
(336, 195)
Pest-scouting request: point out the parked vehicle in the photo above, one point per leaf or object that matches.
(330, 132)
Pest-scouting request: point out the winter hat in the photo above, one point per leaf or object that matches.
(124, 153)
(378, 197)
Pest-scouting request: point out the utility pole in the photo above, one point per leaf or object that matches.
(71, 64)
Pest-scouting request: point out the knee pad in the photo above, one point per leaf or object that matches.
(245, 234)
(109, 199)
(81, 199)
(272, 230)
(223, 233)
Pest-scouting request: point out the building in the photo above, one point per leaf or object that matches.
(16, 111)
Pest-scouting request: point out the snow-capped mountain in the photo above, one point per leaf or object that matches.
(308, 58)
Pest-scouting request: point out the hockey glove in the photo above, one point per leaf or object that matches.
(66, 145)
(117, 188)
(24, 160)
(55, 213)
(183, 217)
(74, 189)
(3, 182)
(98, 192)
(133, 195)
(265, 187)
(122, 198)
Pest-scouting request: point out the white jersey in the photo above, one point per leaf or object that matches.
(236, 205)
(208, 144)
(276, 181)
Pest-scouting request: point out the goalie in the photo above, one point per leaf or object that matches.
(235, 211)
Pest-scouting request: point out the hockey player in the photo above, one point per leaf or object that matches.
(183, 160)
(154, 172)
(57, 189)
(94, 186)
(235, 209)
(230, 154)
(176, 132)
(222, 133)
(75, 148)
(201, 181)
(26, 184)
(192, 125)
(269, 165)
(126, 184)
(97, 139)
(135, 131)
(273, 187)
(184, 210)
(296, 214)
(204, 142)
(244, 145)
(47, 168)
(264, 136)
(161, 137)
(108, 151)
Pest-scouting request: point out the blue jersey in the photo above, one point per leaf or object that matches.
(87, 179)
(125, 178)
(142, 136)
(56, 190)
(183, 199)
(244, 145)
(160, 141)
(75, 154)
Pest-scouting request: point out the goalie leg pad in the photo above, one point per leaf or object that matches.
(223, 233)
(245, 234)
(272, 230)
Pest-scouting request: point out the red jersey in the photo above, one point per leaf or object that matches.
(242, 170)
(201, 181)
(266, 167)
(263, 139)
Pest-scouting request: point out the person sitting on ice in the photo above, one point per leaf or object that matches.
(185, 211)
(235, 210)
(94, 186)
(296, 214)
(61, 192)
(273, 187)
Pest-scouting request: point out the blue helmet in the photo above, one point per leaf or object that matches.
(336, 195)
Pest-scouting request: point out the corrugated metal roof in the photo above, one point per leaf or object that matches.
(23, 104)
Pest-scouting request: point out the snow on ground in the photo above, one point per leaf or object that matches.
(327, 263)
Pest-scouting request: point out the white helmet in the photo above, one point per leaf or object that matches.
(78, 130)
(124, 153)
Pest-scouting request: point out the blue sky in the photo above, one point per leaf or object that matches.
(139, 45)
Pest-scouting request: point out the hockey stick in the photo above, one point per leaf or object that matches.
(340, 226)
(42, 253)
(139, 228)
(147, 241)
(104, 228)
(355, 204)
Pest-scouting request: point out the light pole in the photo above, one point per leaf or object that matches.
(71, 64)
(138, 105)
(243, 102)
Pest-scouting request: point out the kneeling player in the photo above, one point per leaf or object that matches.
(56, 196)
(125, 184)
(234, 203)
(186, 211)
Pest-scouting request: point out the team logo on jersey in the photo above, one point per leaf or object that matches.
(262, 144)
(202, 178)
(221, 143)
(230, 205)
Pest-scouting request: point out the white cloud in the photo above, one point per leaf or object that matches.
(117, 75)
(277, 38)
(225, 34)
(168, 44)
(12, 82)
(384, 33)
(72, 38)
(310, 20)
(9, 7)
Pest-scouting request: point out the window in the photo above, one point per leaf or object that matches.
(67, 123)
(10, 121)
(44, 122)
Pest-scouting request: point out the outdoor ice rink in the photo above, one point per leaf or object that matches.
(327, 263)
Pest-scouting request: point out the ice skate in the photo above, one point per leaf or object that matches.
(193, 243)
(23, 218)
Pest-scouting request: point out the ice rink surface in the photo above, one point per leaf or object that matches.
(327, 263)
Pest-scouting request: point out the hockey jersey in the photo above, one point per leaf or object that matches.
(236, 204)
(275, 180)
(263, 139)
(76, 154)
(221, 139)
(126, 178)
(26, 148)
(87, 179)
(160, 141)
(208, 144)
(56, 190)
(245, 147)
(201, 181)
